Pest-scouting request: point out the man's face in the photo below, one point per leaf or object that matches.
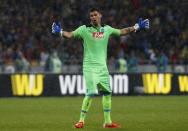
(95, 17)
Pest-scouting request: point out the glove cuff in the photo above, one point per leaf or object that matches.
(136, 27)
(61, 32)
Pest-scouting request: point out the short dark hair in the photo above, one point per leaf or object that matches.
(95, 9)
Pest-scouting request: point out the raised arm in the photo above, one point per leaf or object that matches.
(142, 24)
(66, 34)
(56, 29)
(127, 30)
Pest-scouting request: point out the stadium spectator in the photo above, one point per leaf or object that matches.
(132, 63)
(162, 62)
(184, 54)
(122, 65)
(21, 64)
(25, 24)
(55, 64)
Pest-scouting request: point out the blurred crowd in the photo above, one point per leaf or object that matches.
(26, 39)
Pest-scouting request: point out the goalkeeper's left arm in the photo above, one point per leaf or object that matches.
(142, 24)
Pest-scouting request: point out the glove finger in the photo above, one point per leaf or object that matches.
(53, 25)
(58, 24)
(140, 19)
(147, 26)
(146, 21)
(53, 31)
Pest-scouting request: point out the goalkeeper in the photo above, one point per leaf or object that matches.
(95, 40)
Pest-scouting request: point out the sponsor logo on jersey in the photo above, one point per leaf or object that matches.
(98, 35)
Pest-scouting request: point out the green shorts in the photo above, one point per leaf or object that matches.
(97, 81)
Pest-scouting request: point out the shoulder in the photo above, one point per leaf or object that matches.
(107, 26)
(82, 27)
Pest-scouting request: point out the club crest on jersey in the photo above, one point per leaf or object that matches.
(98, 35)
(102, 29)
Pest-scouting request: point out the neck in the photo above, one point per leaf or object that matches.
(96, 25)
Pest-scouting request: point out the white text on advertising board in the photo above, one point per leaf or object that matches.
(71, 84)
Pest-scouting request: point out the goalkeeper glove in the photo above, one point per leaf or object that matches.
(142, 24)
(56, 28)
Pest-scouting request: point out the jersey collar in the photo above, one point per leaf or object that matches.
(90, 25)
(101, 29)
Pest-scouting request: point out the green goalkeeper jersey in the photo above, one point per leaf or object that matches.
(95, 42)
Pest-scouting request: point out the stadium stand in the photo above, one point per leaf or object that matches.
(25, 30)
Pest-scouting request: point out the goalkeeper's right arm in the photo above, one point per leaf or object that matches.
(56, 29)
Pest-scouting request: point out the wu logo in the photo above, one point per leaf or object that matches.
(157, 83)
(183, 83)
(27, 85)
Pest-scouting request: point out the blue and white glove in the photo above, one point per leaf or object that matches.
(56, 28)
(142, 24)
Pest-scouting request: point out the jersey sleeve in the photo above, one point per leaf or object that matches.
(78, 33)
(114, 31)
